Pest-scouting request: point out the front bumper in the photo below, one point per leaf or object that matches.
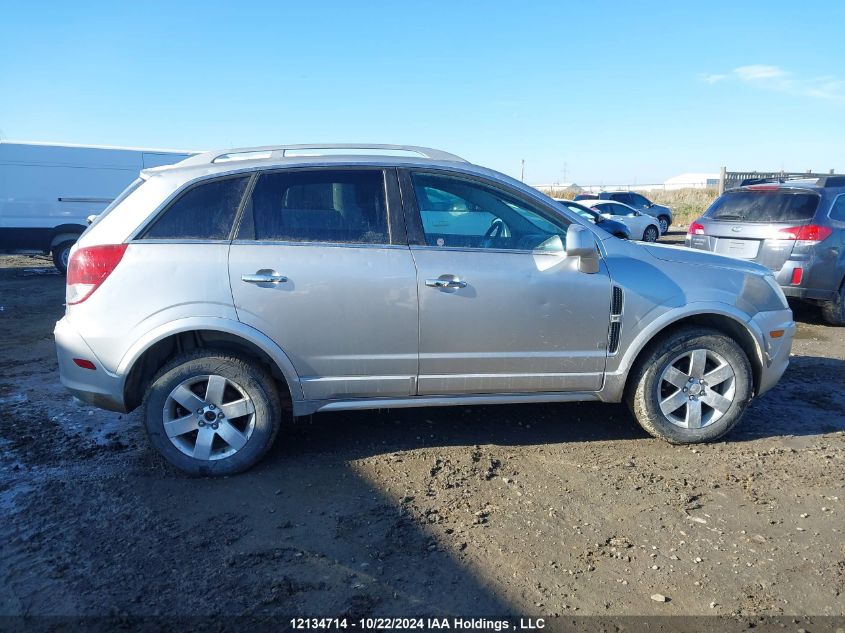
(94, 386)
(775, 350)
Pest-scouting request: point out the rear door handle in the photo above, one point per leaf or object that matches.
(264, 277)
(448, 282)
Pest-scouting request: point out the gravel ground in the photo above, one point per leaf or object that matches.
(554, 510)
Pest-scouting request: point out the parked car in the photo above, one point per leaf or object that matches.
(48, 190)
(222, 287)
(796, 228)
(635, 201)
(642, 227)
(613, 227)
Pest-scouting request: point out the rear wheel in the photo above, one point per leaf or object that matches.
(663, 221)
(651, 234)
(834, 311)
(693, 386)
(210, 413)
(61, 255)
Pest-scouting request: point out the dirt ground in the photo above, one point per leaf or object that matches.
(545, 510)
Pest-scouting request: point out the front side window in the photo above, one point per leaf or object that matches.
(638, 202)
(341, 206)
(203, 212)
(460, 213)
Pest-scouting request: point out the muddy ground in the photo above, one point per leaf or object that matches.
(554, 510)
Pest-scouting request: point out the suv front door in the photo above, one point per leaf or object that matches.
(321, 265)
(502, 308)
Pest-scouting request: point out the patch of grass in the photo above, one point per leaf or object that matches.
(686, 204)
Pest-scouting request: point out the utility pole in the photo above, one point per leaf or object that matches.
(722, 175)
(522, 172)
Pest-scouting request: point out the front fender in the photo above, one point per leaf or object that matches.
(217, 324)
(619, 366)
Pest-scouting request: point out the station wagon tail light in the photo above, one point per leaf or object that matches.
(696, 228)
(88, 268)
(806, 233)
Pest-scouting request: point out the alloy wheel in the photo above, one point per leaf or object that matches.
(209, 417)
(696, 389)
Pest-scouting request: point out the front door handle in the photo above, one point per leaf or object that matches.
(264, 277)
(446, 281)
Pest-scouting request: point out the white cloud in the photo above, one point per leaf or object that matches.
(759, 72)
(776, 79)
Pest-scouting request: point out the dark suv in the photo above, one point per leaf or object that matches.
(794, 227)
(635, 201)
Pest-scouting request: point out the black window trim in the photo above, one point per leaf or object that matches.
(395, 221)
(139, 234)
(832, 205)
(413, 219)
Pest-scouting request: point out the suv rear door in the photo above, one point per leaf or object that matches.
(339, 292)
(502, 309)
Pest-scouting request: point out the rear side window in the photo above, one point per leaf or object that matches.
(345, 206)
(764, 206)
(204, 212)
(837, 211)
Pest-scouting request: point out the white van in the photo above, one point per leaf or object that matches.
(48, 190)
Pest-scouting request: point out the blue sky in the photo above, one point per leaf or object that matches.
(595, 93)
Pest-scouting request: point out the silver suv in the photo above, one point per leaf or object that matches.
(795, 227)
(216, 292)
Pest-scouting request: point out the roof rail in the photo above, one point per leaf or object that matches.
(276, 152)
(833, 180)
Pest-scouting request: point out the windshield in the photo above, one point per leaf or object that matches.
(764, 206)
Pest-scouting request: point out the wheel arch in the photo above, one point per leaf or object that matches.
(65, 232)
(141, 362)
(729, 325)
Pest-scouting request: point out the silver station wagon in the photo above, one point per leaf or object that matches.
(220, 292)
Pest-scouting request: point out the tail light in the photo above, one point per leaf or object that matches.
(806, 233)
(88, 268)
(797, 276)
(696, 228)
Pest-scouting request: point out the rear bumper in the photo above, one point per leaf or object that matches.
(808, 293)
(775, 350)
(94, 386)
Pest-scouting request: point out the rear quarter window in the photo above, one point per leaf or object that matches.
(764, 206)
(204, 212)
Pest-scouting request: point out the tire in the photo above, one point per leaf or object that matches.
(61, 255)
(834, 311)
(663, 221)
(648, 386)
(651, 233)
(238, 422)
(621, 236)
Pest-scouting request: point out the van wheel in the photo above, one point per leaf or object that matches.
(209, 413)
(693, 386)
(61, 255)
(834, 311)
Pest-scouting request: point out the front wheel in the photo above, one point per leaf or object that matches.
(209, 413)
(692, 387)
(663, 221)
(651, 234)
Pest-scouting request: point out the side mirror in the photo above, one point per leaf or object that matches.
(580, 243)
(91, 218)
